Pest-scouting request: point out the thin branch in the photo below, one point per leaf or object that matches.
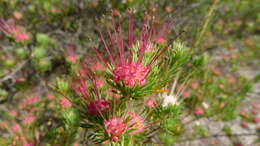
(13, 72)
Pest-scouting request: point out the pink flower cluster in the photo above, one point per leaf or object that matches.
(115, 127)
(97, 106)
(9, 28)
(16, 128)
(32, 100)
(131, 73)
(29, 119)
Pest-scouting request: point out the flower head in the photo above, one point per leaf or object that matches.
(127, 66)
(10, 28)
(97, 106)
(131, 73)
(115, 127)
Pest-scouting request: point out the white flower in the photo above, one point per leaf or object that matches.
(197, 123)
(205, 105)
(170, 100)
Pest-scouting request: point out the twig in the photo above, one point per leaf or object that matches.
(14, 71)
(206, 23)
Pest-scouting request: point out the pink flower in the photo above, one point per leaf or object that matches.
(31, 100)
(151, 103)
(50, 96)
(185, 94)
(29, 119)
(136, 123)
(194, 85)
(255, 106)
(199, 111)
(28, 144)
(20, 80)
(70, 53)
(9, 28)
(131, 73)
(254, 111)
(64, 102)
(232, 80)
(16, 128)
(238, 22)
(256, 120)
(221, 86)
(97, 106)
(115, 127)
(21, 37)
(13, 113)
(160, 40)
(72, 59)
(244, 124)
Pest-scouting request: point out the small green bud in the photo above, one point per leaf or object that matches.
(3, 93)
(43, 39)
(9, 63)
(44, 64)
(47, 5)
(38, 52)
(62, 85)
(31, 8)
(20, 52)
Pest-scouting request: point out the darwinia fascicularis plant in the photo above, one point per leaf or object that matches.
(112, 100)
